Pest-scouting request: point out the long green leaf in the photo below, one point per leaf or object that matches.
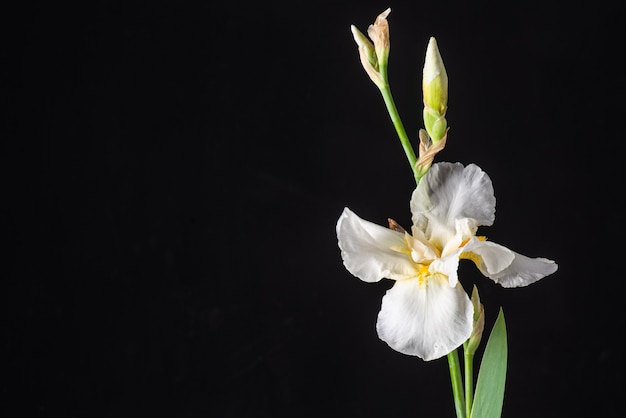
(489, 394)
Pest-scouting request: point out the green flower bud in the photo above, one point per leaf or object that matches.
(435, 91)
(374, 54)
(435, 124)
(479, 323)
(435, 79)
(366, 46)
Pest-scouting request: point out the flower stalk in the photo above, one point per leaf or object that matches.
(404, 139)
(374, 57)
(457, 383)
(468, 363)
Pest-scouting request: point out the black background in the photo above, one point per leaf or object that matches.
(173, 173)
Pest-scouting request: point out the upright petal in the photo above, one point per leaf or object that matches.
(372, 252)
(427, 319)
(449, 192)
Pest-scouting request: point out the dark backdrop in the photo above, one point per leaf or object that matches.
(173, 172)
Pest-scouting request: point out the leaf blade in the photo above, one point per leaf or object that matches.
(489, 396)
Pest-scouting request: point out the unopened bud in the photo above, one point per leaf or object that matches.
(367, 54)
(435, 79)
(435, 91)
(379, 34)
(479, 323)
(374, 54)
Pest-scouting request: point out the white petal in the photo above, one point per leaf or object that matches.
(449, 192)
(448, 266)
(372, 252)
(492, 258)
(465, 229)
(421, 248)
(427, 320)
(507, 267)
(524, 271)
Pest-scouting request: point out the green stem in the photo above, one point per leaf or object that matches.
(397, 123)
(457, 383)
(468, 362)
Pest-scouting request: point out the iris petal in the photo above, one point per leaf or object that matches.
(507, 267)
(448, 266)
(427, 319)
(524, 271)
(489, 257)
(372, 252)
(450, 192)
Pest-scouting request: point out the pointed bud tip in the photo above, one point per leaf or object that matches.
(361, 40)
(433, 64)
(435, 91)
(355, 31)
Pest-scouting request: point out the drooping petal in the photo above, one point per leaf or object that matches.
(450, 192)
(372, 252)
(427, 319)
(524, 271)
(505, 266)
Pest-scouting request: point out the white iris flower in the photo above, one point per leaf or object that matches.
(427, 313)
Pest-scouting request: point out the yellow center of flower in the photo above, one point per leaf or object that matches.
(422, 273)
(423, 254)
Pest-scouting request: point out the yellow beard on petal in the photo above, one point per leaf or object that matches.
(422, 274)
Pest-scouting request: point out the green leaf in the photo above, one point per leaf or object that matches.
(489, 394)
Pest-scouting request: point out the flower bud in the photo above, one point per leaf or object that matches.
(374, 56)
(365, 44)
(367, 54)
(435, 91)
(379, 34)
(479, 323)
(436, 124)
(435, 79)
